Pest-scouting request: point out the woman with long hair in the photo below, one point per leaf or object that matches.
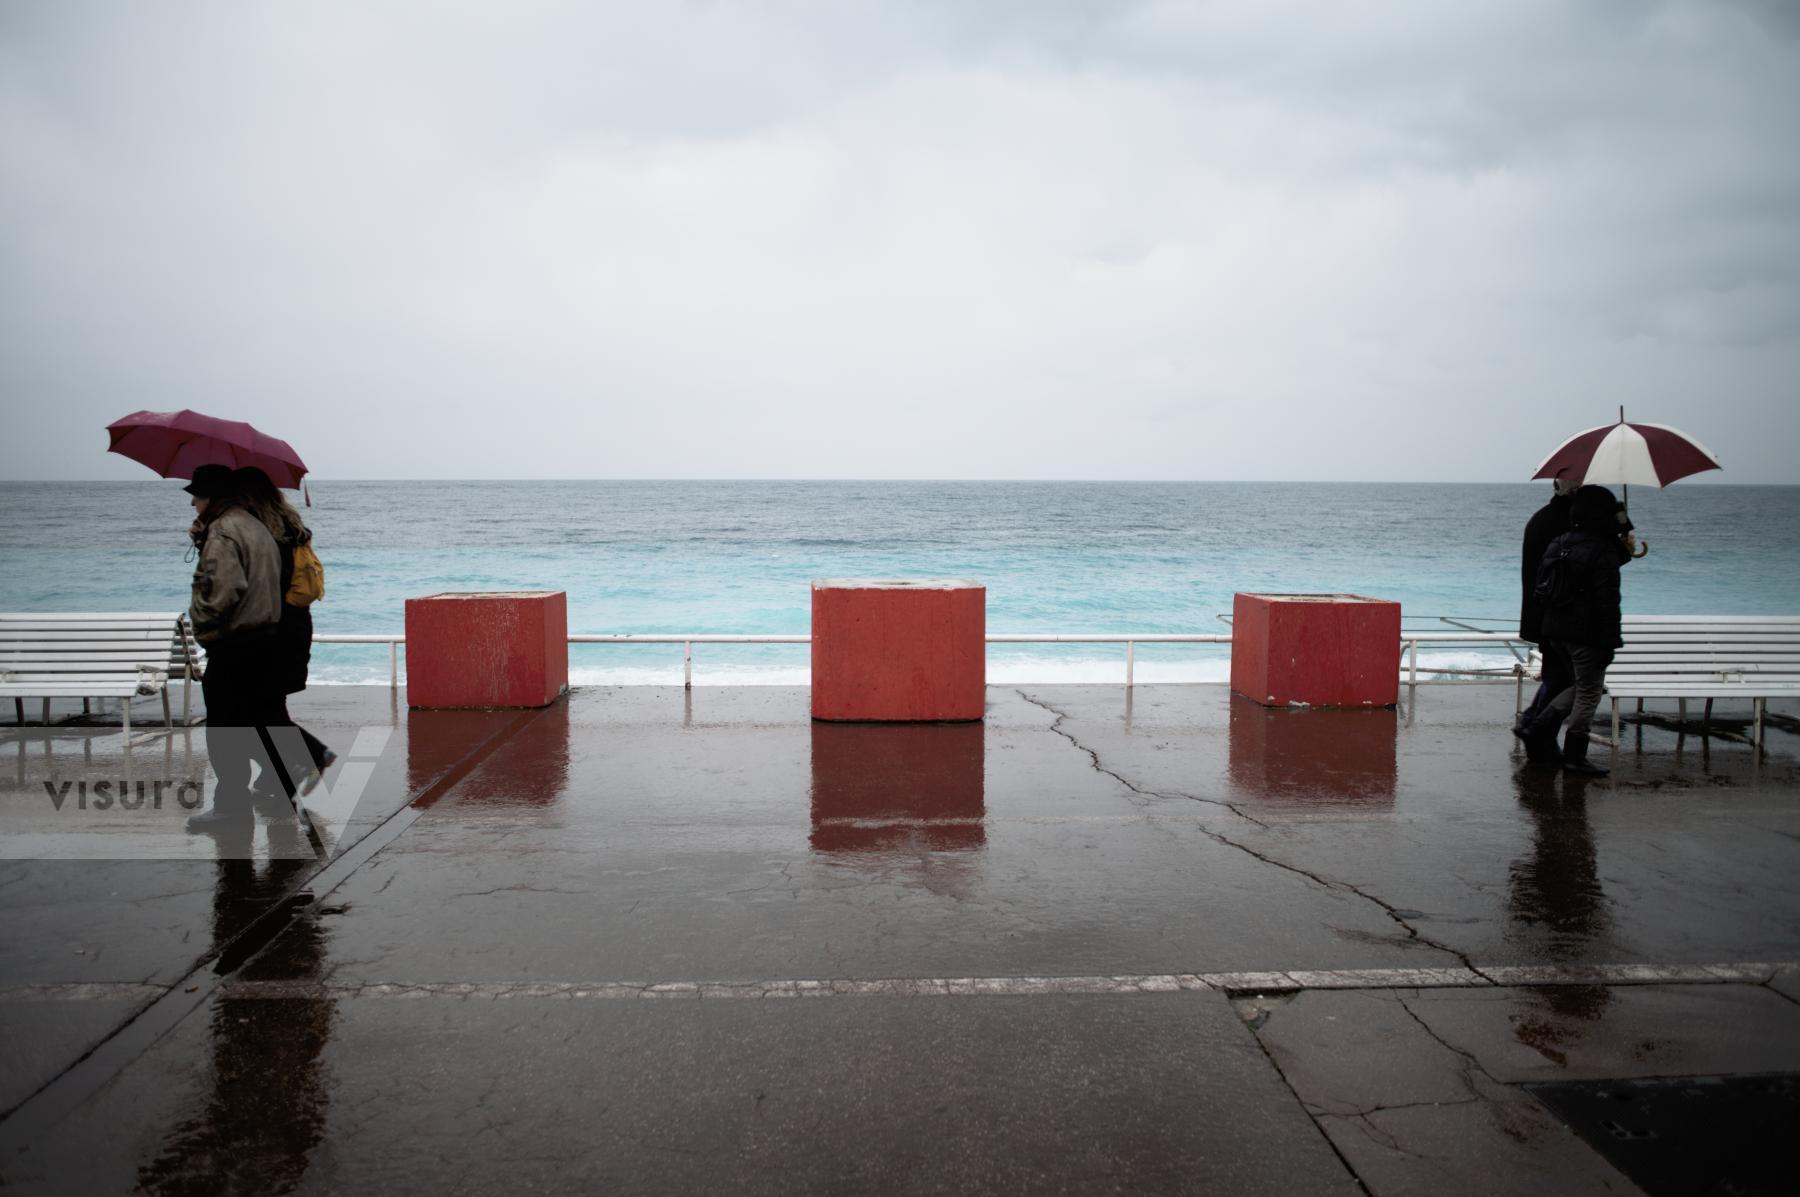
(301, 770)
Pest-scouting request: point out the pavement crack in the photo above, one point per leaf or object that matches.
(518, 889)
(1393, 912)
(1470, 1065)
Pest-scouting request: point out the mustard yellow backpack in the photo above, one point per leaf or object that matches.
(306, 585)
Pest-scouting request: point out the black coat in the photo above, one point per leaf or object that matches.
(293, 635)
(1551, 521)
(1591, 616)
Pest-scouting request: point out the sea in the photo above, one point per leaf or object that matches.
(1056, 557)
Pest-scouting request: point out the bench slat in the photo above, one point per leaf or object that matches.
(87, 636)
(1787, 620)
(1746, 693)
(27, 629)
(15, 673)
(75, 681)
(98, 652)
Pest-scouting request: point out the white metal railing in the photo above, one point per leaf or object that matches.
(1409, 645)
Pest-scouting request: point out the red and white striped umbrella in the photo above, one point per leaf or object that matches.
(1622, 454)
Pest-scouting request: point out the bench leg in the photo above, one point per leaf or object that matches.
(1615, 703)
(1683, 703)
(1706, 715)
(19, 710)
(168, 717)
(46, 712)
(1757, 706)
(125, 714)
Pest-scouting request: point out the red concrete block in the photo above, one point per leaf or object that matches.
(899, 650)
(492, 649)
(1322, 650)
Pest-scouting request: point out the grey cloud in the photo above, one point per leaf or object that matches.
(784, 238)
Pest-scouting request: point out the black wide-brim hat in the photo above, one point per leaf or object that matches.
(211, 481)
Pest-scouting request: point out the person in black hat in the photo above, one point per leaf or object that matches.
(1578, 587)
(1546, 524)
(235, 610)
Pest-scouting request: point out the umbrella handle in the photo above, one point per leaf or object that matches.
(1643, 547)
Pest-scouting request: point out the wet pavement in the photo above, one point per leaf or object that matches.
(662, 941)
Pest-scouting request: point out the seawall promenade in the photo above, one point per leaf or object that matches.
(1104, 940)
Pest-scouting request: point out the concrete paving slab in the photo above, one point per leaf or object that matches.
(1572, 1032)
(39, 1038)
(1496, 1148)
(1409, 1113)
(1158, 1093)
(1350, 1053)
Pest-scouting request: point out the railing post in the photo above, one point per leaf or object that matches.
(687, 664)
(1412, 662)
(1130, 661)
(393, 664)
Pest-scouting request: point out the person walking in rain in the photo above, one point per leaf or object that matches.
(235, 611)
(1578, 587)
(301, 764)
(1546, 524)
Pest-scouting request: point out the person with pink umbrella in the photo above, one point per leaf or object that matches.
(238, 589)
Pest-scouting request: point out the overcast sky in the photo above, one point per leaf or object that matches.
(1265, 239)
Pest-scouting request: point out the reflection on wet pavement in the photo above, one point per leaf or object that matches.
(263, 1108)
(537, 761)
(1323, 758)
(898, 787)
(1558, 906)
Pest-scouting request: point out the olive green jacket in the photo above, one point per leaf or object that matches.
(237, 585)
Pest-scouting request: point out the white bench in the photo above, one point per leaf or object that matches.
(105, 654)
(1754, 657)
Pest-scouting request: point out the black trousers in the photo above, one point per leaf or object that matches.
(1558, 675)
(295, 751)
(1587, 683)
(242, 688)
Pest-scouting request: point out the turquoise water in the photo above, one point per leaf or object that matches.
(1055, 557)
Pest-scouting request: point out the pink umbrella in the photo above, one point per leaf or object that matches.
(174, 443)
(1620, 454)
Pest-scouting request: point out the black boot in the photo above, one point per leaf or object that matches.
(1540, 745)
(1575, 758)
(1539, 737)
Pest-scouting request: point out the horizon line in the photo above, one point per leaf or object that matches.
(1067, 481)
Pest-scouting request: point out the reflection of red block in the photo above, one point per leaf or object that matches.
(898, 650)
(1322, 650)
(879, 787)
(1327, 758)
(503, 649)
